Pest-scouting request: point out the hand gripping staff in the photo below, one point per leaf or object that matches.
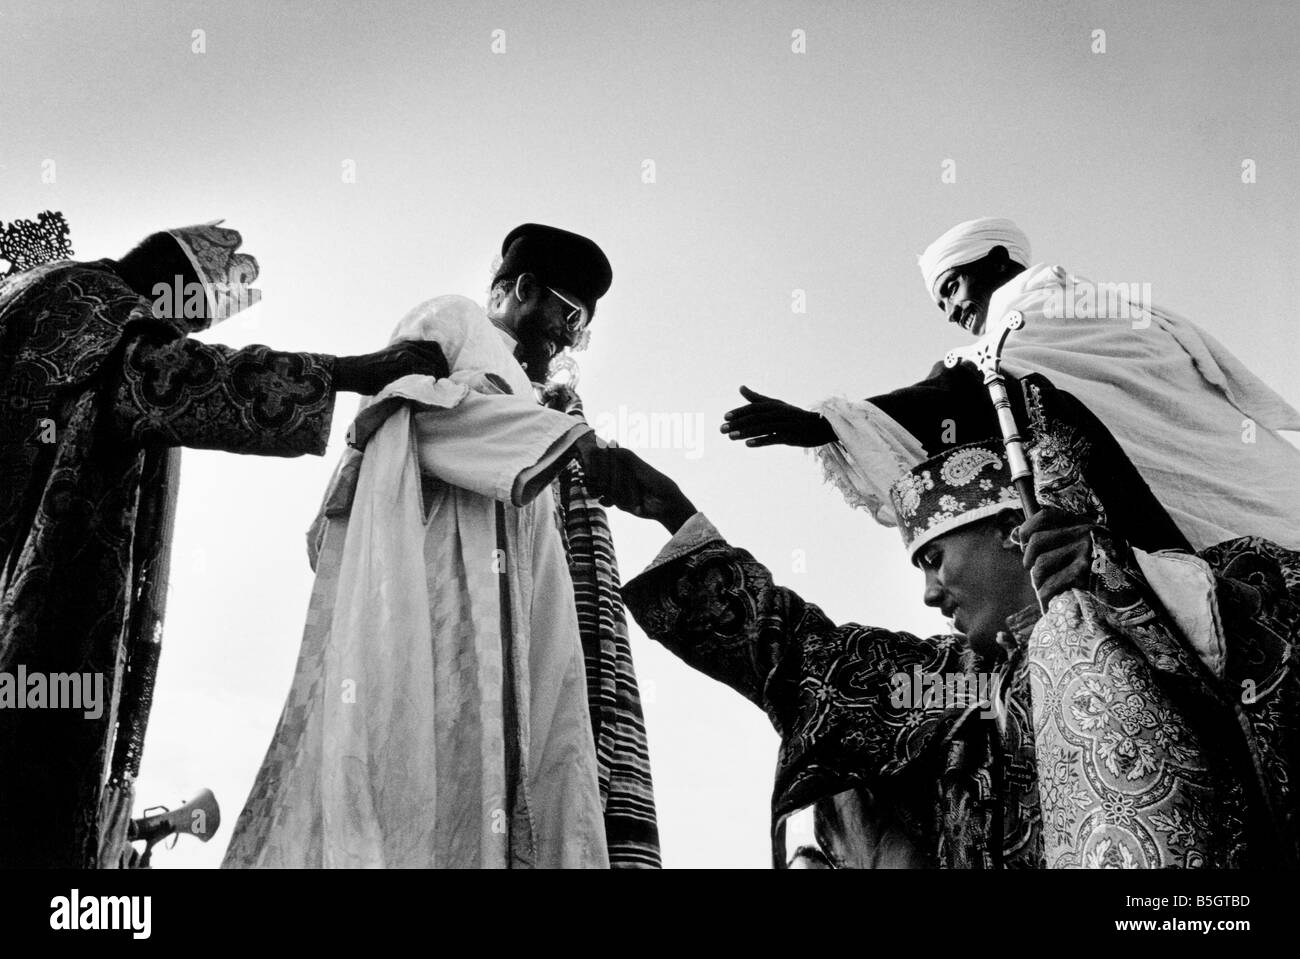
(986, 354)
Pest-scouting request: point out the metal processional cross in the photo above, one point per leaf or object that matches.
(986, 354)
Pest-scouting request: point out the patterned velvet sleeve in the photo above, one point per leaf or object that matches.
(1258, 586)
(180, 392)
(830, 691)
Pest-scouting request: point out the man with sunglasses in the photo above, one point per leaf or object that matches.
(542, 320)
(462, 698)
(543, 296)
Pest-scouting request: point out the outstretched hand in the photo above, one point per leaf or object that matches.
(1057, 551)
(618, 477)
(609, 477)
(765, 421)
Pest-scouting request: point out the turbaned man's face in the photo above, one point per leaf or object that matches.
(964, 294)
(964, 291)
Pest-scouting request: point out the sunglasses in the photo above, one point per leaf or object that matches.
(576, 319)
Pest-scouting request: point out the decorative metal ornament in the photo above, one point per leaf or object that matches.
(25, 244)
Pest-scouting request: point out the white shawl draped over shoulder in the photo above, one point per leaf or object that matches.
(1199, 426)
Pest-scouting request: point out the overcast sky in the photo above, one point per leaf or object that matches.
(774, 171)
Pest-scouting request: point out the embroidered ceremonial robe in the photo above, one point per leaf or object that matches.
(96, 394)
(1154, 714)
(1102, 746)
(1169, 727)
(438, 716)
(950, 784)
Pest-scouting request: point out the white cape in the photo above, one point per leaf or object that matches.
(1201, 428)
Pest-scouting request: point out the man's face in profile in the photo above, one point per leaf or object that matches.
(975, 577)
(964, 291)
(539, 318)
(547, 321)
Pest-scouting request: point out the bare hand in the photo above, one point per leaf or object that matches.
(766, 422)
(1058, 552)
(621, 478)
(370, 373)
(607, 475)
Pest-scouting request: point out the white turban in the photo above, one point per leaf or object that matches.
(968, 242)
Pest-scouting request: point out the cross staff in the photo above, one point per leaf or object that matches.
(986, 354)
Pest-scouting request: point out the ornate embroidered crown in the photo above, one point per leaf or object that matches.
(227, 275)
(28, 243)
(953, 489)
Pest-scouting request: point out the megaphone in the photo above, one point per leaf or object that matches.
(199, 817)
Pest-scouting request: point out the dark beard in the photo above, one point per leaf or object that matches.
(533, 358)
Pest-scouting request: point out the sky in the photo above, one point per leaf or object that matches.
(730, 179)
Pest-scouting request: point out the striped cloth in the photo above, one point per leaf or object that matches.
(626, 790)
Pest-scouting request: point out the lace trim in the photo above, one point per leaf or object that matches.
(836, 472)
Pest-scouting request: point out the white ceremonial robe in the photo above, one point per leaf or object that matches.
(439, 713)
(1199, 426)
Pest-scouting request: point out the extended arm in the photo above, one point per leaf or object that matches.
(180, 392)
(175, 391)
(827, 688)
